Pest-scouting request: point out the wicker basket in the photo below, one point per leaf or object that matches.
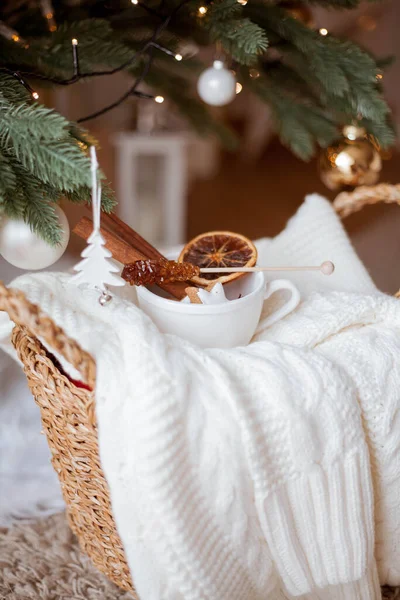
(69, 419)
(69, 422)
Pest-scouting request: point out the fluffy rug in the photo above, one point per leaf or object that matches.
(41, 560)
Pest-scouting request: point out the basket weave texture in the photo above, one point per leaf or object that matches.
(69, 423)
(69, 418)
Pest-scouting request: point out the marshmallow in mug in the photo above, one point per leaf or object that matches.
(215, 296)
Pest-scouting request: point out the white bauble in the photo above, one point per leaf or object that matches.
(217, 85)
(22, 248)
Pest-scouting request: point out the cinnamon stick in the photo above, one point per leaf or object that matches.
(131, 237)
(125, 253)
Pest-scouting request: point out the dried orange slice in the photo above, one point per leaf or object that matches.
(219, 249)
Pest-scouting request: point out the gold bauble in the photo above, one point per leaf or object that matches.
(299, 11)
(351, 162)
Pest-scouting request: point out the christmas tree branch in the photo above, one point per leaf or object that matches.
(313, 84)
(239, 37)
(41, 161)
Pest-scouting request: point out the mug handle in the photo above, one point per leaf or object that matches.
(291, 304)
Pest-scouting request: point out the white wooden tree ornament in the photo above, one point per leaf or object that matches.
(96, 269)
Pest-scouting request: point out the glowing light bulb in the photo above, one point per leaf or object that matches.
(159, 99)
(35, 95)
(242, 2)
(323, 31)
(202, 11)
(15, 37)
(178, 57)
(379, 76)
(74, 42)
(135, 1)
(254, 74)
(239, 87)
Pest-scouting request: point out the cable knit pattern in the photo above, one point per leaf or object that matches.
(372, 362)
(232, 470)
(305, 447)
(362, 336)
(245, 474)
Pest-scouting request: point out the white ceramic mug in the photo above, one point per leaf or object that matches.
(223, 325)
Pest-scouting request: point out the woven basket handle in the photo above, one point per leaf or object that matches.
(347, 203)
(29, 316)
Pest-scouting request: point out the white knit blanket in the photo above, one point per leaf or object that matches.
(259, 472)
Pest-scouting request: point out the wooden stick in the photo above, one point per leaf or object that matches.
(125, 253)
(192, 294)
(327, 268)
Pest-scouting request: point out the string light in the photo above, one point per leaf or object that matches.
(254, 74)
(10, 34)
(177, 56)
(202, 11)
(48, 13)
(133, 91)
(242, 2)
(239, 87)
(323, 31)
(379, 76)
(75, 57)
(26, 85)
(52, 23)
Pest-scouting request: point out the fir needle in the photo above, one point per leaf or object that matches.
(327, 268)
